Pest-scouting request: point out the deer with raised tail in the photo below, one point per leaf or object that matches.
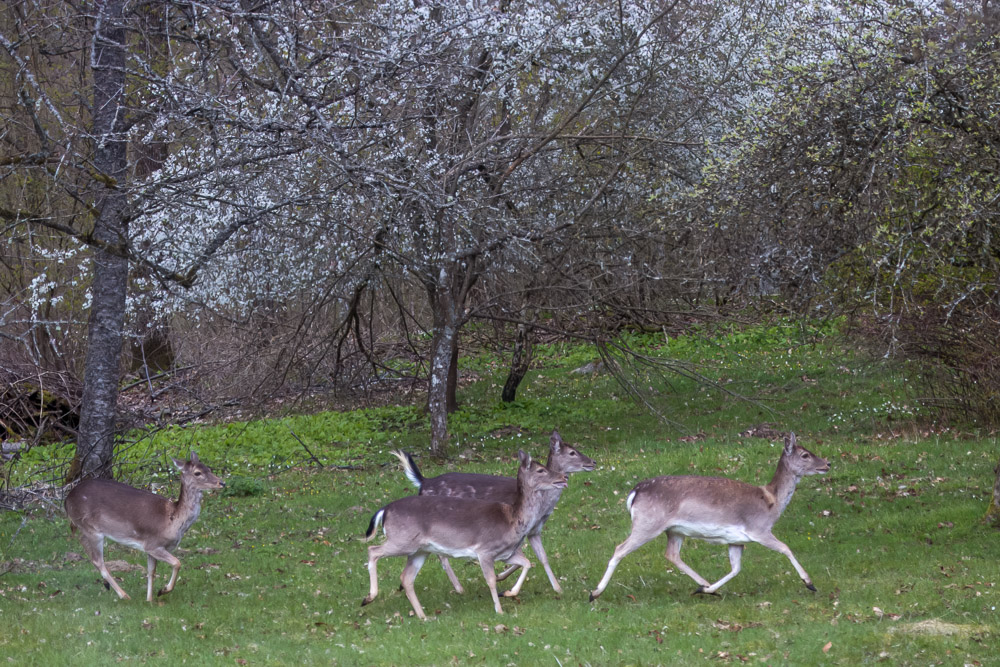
(562, 459)
(102, 508)
(460, 528)
(717, 510)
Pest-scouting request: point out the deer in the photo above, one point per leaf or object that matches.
(718, 510)
(488, 531)
(103, 508)
(562, 459)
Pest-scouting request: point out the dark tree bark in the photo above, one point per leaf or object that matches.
(520, 361)
(993, 513)
(451, 396)
(448, 295)
(443, 346)
(105, 326)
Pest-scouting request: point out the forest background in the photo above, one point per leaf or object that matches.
(242, 208)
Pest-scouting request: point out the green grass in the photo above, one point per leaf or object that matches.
(274, 571)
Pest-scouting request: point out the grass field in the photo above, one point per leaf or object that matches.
(274, 570)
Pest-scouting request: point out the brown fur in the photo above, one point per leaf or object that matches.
(102, 508)
(469, 528)
(718, 510)
(562, 459)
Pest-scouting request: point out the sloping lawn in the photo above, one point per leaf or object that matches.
(274, 571)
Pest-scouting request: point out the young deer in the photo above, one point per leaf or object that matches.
(101, 508)
(562, 459)
(460, 528)
(717, 510)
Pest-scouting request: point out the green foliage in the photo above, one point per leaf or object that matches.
(243, 487)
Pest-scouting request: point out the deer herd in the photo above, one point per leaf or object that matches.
(465, 515)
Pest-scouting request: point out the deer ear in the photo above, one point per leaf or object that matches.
(555, 442)
(790, 443)
(178, 463)
(524, 458)
(194, 456)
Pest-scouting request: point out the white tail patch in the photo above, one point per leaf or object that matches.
(416, 479)
(628, 503)
(375, 523)
(410, 476)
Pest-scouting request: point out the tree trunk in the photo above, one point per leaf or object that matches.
(447, 297)
(105, 326)
(451, 399)
(442, 348)
(993, 513)
(520, 361)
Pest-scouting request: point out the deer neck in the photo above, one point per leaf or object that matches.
(187, 508)
(525, 507)
(782, 486)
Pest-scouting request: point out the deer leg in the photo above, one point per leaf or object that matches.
(510, 570)
(518, 559)
(506, 573)
(150, 573)
(487, 564)
(735, 558)
(674, 543)
(94, 546)
(773, 543)
(535, 540)
(163, 555)
(634, 541)
(446, 566)
(374, 553)
(413, 565)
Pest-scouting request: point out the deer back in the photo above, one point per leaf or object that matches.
(471, 485)
(562, 459)
(118, 511)
(706, 505)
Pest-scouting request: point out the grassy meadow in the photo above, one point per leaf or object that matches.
(274, 571)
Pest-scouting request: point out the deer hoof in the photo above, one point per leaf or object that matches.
(701, 590)
(592, 597)
(366, 601)
(810, 587)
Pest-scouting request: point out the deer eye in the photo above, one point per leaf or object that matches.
(572, 453)
(197, 473)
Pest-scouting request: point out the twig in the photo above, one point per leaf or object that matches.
(308, 451)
